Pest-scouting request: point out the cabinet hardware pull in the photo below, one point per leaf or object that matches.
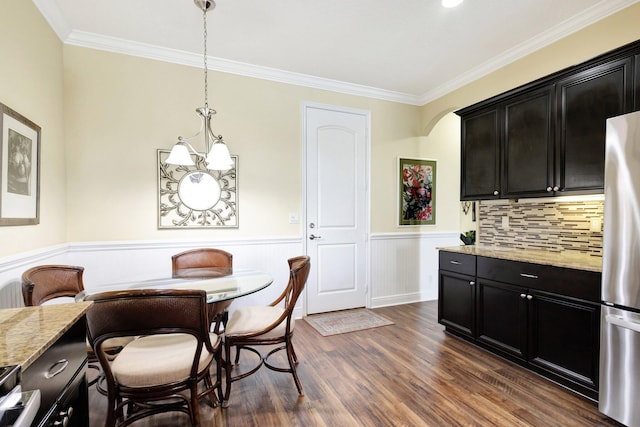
(556, 188)
(549, 189)
(63, 365)
(495, 193)
(455, 262)
(523, 296)
(529, 297)
(529, 276)
(472, 283)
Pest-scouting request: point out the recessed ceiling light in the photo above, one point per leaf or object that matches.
(451, 3)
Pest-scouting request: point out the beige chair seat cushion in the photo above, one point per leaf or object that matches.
(158, 359)
(252, 319)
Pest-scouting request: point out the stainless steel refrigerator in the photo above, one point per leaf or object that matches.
(619, 396)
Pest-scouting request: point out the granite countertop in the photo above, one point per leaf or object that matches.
(566, 259)
(25, 333)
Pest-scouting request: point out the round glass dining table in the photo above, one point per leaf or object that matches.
(219, 288)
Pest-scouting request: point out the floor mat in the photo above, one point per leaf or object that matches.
(340, 322)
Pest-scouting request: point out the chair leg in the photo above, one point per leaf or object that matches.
(227, 368)
(194, 409)
(291, 356)
(238, 347)
(293, 353)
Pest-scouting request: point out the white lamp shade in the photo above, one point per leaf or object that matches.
(219, 158)
(180, 156)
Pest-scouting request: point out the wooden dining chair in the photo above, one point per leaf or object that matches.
(161, 370)
(51, 282)
(250, 327)
(202, 263)
(206, 263)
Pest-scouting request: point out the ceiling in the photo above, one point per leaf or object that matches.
(410, 51)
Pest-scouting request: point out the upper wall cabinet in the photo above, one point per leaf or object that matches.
(547, 138)
(481, 159)
(585, 101)
(527, 145)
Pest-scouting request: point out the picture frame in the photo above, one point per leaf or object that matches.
(196, 197)
(19, 169)
(416, 191)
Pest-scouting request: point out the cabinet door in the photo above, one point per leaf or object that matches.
(502, 317)
(585, 101)
(564, 337)
(480, 155)
(636, 84)
(456, 302)
(528, 144)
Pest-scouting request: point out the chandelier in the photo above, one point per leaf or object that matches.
(216, 154)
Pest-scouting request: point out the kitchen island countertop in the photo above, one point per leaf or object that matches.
(565, 259)
(25, 333)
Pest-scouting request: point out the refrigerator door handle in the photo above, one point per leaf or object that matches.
(619, 321)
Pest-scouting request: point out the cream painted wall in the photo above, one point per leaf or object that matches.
(31, 84)
(443, 145)
(99, 157)
(120, 109)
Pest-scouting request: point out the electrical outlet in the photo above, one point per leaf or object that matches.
(595, 225)
(505, 222)
(294, 218)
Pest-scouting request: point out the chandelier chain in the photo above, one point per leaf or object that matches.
(206, 83)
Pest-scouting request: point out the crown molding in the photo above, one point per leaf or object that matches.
(143, 50)
(56, 20)
(566, 28)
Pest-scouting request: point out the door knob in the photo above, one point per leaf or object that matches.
(313, 237)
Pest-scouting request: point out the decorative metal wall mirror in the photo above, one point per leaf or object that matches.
(196, 197)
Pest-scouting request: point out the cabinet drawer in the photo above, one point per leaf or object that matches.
(564, 281)
(70, 353)
(458, 263)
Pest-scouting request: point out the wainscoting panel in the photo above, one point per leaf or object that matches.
(12, 267)
(404, 266)
(113, 262)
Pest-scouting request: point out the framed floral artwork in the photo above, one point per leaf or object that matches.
(417, 190)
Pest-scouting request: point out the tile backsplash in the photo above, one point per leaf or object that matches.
(546, 224)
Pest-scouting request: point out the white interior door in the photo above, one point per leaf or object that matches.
(337, 207)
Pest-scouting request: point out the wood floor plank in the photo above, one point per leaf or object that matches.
(407, 374)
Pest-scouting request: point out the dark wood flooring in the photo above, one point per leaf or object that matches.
(407, 374)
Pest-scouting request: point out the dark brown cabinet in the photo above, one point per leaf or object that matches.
(564, 339)
(457, 295)
(585, 101)
(59, 374)
(502, 318)
(528, 144)
(545, 318)
(547, 137)
(481, 154)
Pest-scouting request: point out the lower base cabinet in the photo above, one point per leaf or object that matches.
(544, 318)
(60, 375)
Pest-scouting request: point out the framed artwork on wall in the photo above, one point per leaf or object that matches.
(196, 197)
(417, 191)
(19, 169)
